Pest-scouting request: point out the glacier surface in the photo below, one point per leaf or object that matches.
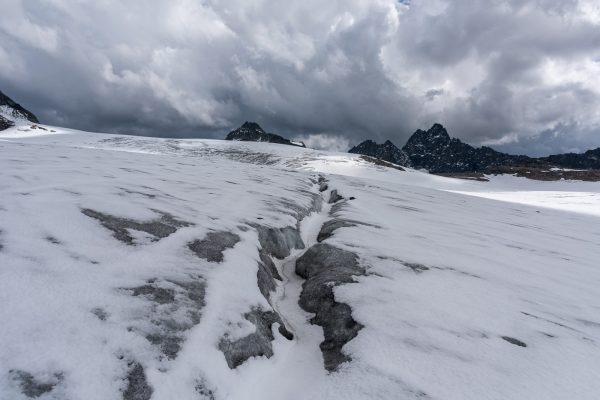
(138, 268)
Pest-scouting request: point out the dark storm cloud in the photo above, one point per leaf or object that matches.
(567, 137)
(433, 93)
(516, 70)
(333, 73)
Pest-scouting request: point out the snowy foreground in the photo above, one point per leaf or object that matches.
(143, 268)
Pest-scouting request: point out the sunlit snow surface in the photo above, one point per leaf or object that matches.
(453, 266)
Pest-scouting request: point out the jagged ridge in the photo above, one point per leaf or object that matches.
(436, 151)
(386, 152)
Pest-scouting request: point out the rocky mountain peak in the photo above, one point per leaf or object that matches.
(252, 132)
(438, 130)
(430, 140)
(253, 126)
(390, 145)
(436, 151)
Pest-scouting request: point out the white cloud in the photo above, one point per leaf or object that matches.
(321, 141)
(16, 23)
(501, 71)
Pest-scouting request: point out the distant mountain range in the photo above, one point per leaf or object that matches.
(435, 151)
(252, 132)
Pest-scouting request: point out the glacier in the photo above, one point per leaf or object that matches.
(147, 268)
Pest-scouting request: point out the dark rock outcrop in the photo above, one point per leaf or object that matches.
(332, 225)
(514, 341)
(100, 313)
(12, 111)
(154, 293)
(33, 387)
(274, 243)
(278, 242)
(213, 245)
(324, 267)
(588, 160)
(334, 197)
(5, 123)
(137, 384)
(267, 275)
(386, 152)
(252, 132)
(256, 344)
(204, 390)
(157, 229)
(435, 151)
(547, 172)
(173, 307)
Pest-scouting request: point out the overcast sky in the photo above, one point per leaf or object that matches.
(524, 75)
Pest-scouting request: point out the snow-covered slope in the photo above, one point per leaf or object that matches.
(13, 114)
(143, 268)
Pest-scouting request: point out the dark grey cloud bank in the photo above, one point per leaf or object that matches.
(520, 75)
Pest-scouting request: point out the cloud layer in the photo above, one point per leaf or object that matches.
(518, 74)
